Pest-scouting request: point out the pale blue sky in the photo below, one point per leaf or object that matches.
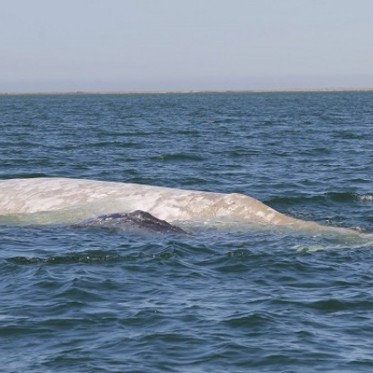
(137, 45)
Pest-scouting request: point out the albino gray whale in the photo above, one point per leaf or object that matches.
(67, 200)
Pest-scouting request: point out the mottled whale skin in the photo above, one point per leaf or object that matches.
(91, 198)
(136, 221)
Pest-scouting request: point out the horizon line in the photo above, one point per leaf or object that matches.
(185, 91)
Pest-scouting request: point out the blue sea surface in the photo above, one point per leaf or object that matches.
(218, 300)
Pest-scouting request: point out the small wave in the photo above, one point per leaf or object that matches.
(309, 248)
(178, 157)
(336, 197)
(365, 198)
(333, 305)
(365, 241)
(255, 320)
(92, 258)
(68, 259)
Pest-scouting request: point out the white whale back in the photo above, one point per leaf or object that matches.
(24, 196)
(63, 200)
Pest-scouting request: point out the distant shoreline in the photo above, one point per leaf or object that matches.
(179, 92)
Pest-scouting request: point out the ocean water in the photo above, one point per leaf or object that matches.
(220, 299)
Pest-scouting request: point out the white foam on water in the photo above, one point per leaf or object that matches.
(365, 198)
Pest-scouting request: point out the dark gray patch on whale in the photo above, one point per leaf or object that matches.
(136, 221)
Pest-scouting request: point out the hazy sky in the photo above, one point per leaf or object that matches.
(126, 45)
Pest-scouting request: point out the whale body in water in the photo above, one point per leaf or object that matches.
(64, 200)
(136, 221)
